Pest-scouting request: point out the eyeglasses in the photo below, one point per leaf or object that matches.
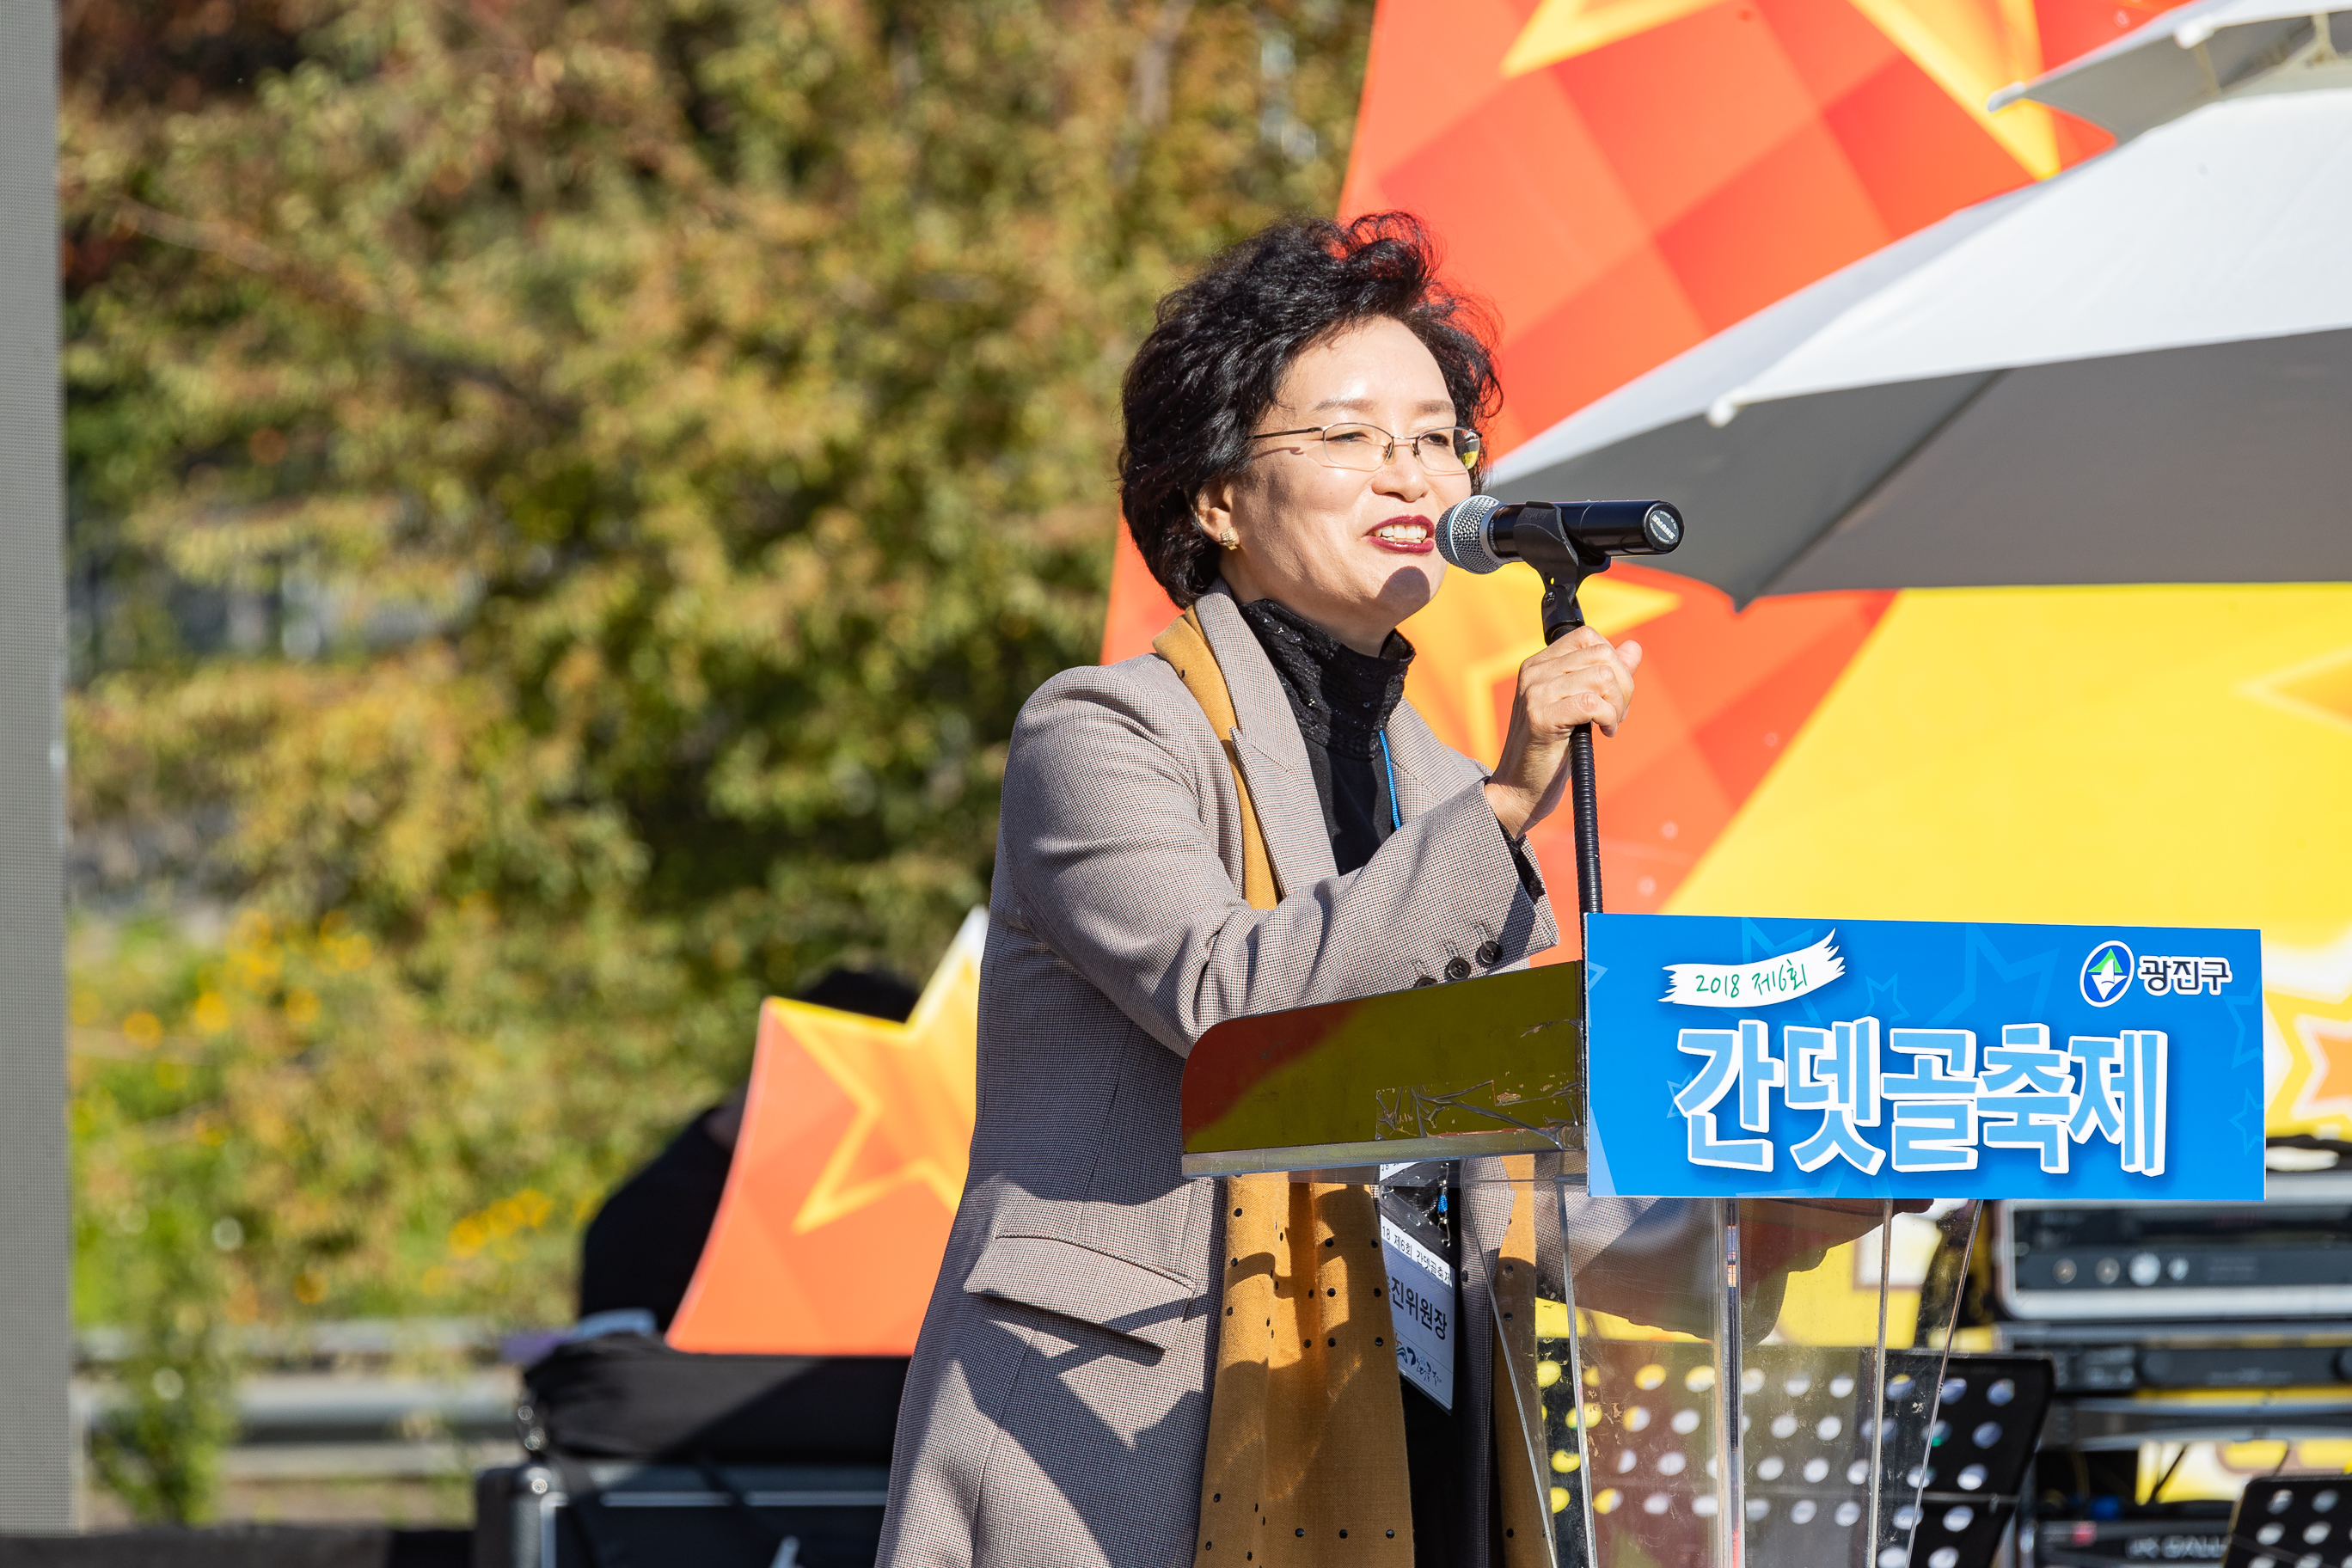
(1368, 449)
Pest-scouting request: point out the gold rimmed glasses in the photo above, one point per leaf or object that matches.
(1368, 447)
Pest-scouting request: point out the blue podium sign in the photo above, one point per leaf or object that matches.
(1922, 1060)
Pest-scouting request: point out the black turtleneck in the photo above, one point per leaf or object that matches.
(1342, 700)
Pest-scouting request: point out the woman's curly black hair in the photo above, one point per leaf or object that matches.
(1215, 356)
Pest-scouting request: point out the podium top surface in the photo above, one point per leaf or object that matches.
(1491, 1065)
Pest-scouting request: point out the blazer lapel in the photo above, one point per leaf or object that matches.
(1273, 756)
(1428, 771)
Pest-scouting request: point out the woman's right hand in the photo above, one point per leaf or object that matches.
(1580, 679)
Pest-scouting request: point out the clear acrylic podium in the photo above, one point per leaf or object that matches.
(1748, 1381)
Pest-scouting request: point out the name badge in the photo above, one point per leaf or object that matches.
(1423, 1299)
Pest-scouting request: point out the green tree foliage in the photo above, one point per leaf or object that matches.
(566, 501)
(162, 1456)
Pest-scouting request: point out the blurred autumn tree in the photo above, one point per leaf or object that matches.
(566, 500)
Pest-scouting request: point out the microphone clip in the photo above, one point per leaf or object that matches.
(1560, 560)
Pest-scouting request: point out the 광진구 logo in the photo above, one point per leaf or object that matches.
(2106, 973)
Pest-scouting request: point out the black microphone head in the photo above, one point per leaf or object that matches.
(1662, 525)
(1462, 535)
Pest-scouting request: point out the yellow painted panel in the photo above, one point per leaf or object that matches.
(2111, 754)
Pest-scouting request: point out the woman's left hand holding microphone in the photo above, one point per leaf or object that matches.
(1578, 679)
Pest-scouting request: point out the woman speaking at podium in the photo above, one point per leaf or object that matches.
(1249, 819)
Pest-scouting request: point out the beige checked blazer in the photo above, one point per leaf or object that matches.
(1058, 1407)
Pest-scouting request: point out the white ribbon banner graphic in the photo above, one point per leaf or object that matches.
(1756, 984)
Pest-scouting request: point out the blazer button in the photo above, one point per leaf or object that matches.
(1490, 953)
(1457, 968)
(1423, 980)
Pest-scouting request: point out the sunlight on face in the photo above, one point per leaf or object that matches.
(1353, 552)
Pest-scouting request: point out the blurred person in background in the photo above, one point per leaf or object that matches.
(1296, 423)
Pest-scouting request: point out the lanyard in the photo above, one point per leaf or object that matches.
(1396, 816)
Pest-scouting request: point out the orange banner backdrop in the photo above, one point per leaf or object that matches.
(1622, 178)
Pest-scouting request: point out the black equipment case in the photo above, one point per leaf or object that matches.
(644, 1456)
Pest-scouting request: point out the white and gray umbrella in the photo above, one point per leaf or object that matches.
(2196, 54)
(2139, 371)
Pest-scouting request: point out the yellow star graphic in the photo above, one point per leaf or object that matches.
(912, 1083)
(1968, 47)
(1563, 29)
(2318, 689)
(2314, 1017)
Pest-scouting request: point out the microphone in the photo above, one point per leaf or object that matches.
(1565, 542)
(1481, 533)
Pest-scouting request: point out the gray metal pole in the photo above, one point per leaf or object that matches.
(35, 1457)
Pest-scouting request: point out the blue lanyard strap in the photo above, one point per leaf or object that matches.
(1396, 816)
